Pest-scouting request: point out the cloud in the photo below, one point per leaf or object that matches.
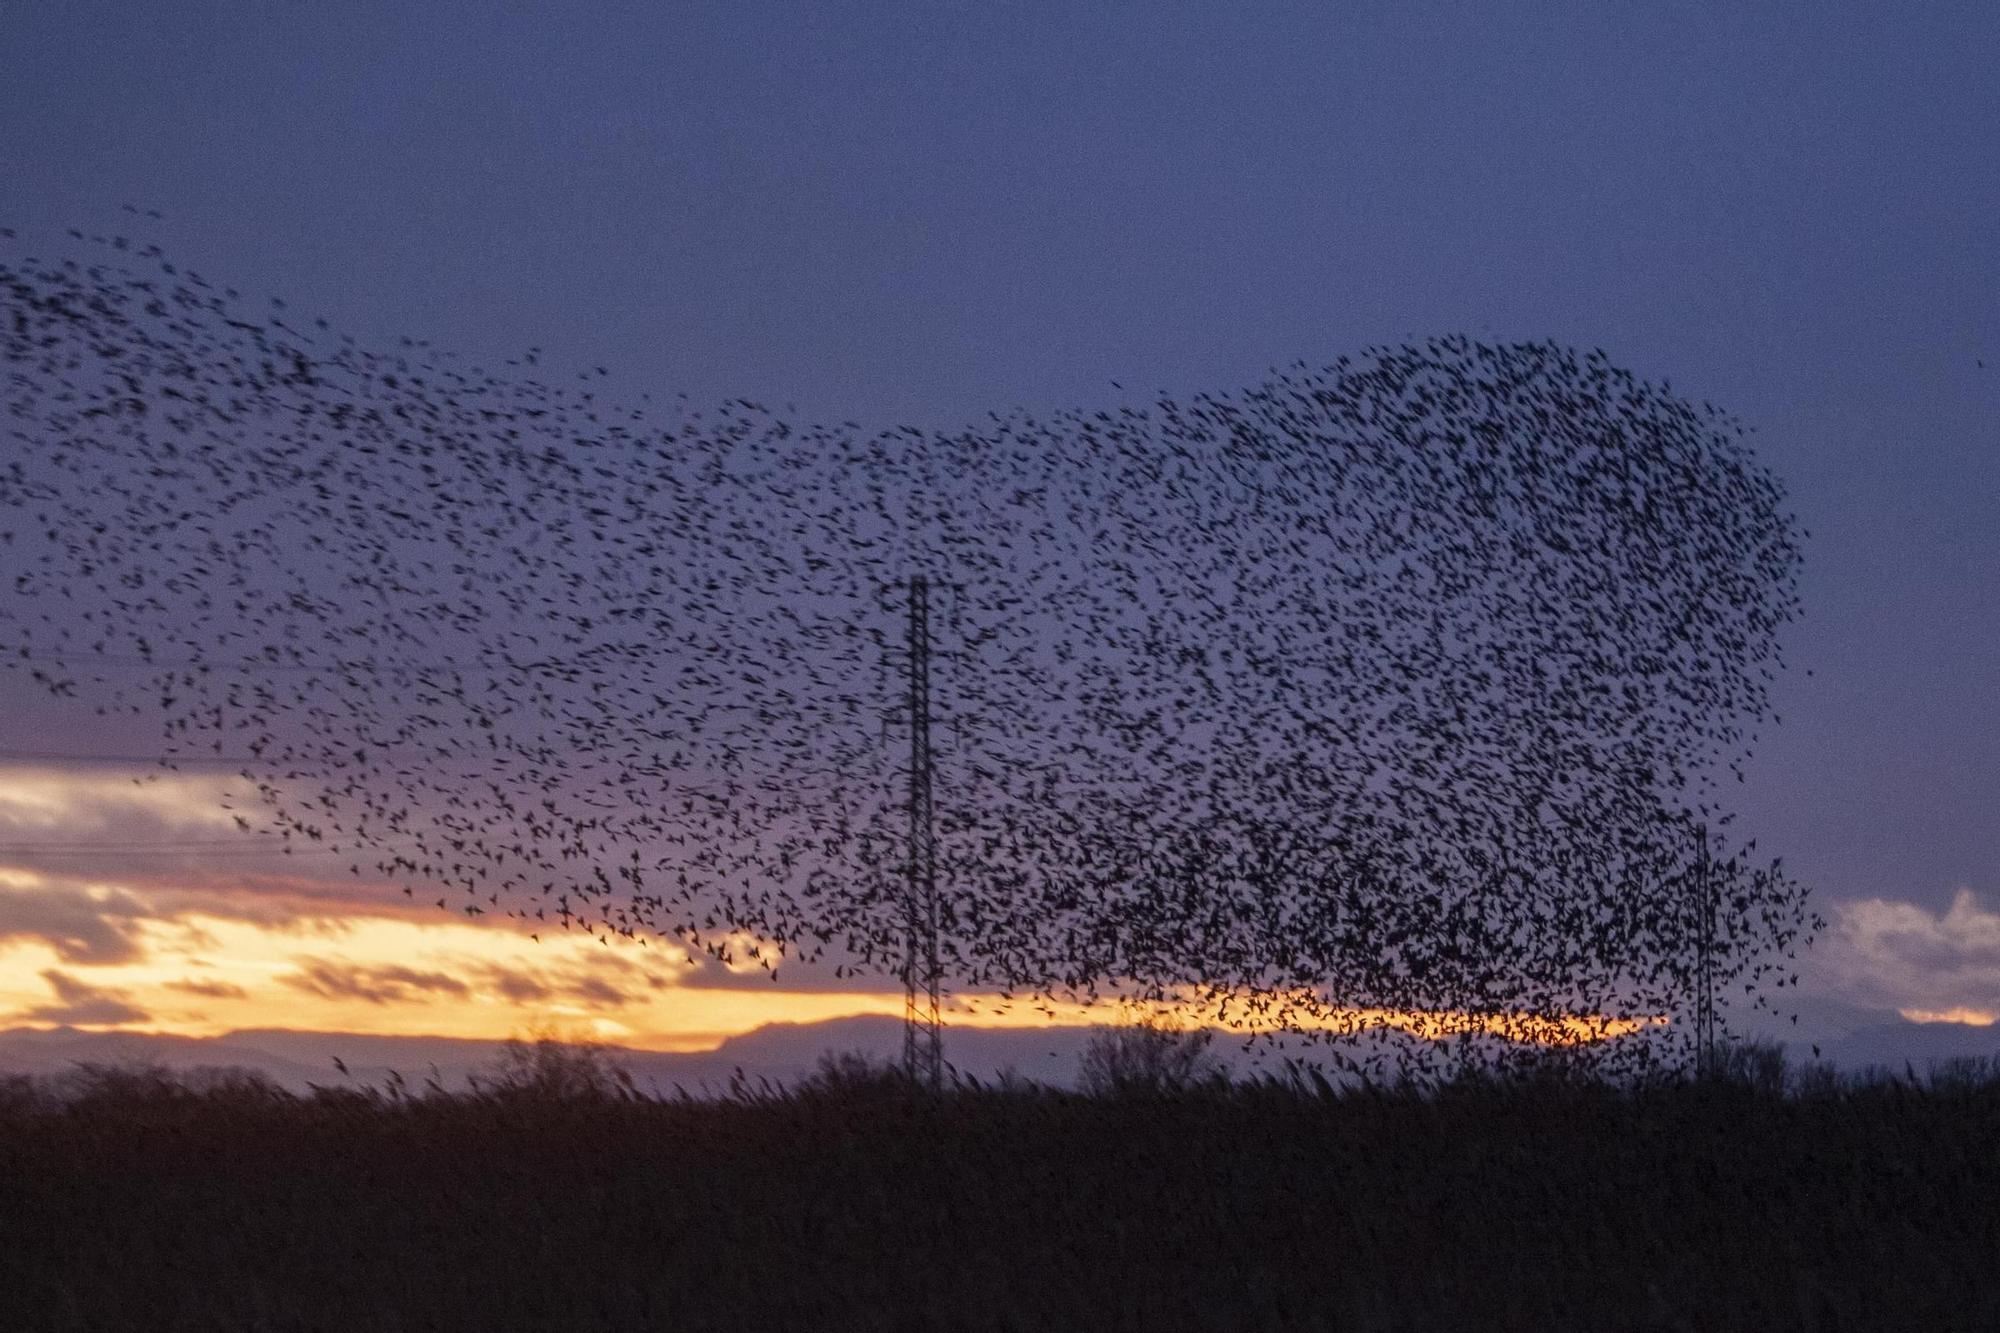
(91, 922)
(175, 837)
(1972, 1018)
(389, 983)
(578, 982)
(598, 993)
(88, 926)
(39, 801)
(1933, 966)
(155, 861)
(214, 990)
(81, 1004)
(574, 983)
(518, 984)
(94, 923)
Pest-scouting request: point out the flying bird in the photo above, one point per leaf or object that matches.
(1396, 686)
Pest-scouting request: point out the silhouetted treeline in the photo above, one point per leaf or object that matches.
(558, 1196)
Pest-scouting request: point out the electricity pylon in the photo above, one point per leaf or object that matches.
(1704, 1011)
(923, 1035)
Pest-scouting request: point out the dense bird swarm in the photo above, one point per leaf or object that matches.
(1399, 685)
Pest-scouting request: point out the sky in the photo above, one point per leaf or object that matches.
(916, 215)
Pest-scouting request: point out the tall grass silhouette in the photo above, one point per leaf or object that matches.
(556, 1196)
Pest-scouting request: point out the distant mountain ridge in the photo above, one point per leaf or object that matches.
(785, 1052)
(782, 1052)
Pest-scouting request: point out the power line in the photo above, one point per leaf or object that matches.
(73, 660)
(308, 762)
(75, 757)
(114, 844)
(923, 1043)
(85, 849)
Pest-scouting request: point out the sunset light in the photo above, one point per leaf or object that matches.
(995, 667)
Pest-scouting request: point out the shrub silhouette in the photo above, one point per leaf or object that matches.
(547, 1068)
(1154, 1056)
(1288, 1204)
(851, 1074)
(1754, 1064)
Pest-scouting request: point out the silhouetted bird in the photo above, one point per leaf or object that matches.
(1396, 686)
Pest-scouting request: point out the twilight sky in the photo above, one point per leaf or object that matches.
(914, 215)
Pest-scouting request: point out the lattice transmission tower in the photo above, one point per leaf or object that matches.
(1704, 1011)
(923, 1029)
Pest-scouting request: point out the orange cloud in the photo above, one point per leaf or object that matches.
(381, 984)
(214, 990)
(1978, 1018)
(196, 944)
(82, 925)
(79, 1004)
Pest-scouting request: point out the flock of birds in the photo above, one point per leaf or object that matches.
(1398, 686)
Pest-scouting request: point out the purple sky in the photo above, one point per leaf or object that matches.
(916, 214)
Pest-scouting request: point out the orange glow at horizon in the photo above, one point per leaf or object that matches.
(1977, 1018)
(200, 975)
(287, 942)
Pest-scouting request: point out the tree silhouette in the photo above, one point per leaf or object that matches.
(1153, 1056)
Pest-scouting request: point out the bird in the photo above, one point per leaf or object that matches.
(1399, 683)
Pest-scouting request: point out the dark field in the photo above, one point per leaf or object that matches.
(850, 1204)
